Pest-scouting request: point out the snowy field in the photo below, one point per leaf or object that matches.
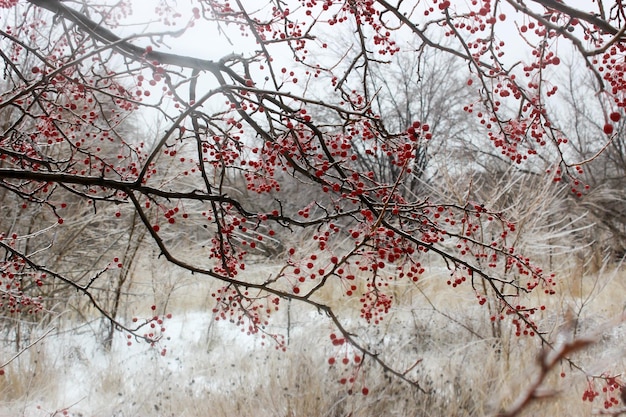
(211, 368)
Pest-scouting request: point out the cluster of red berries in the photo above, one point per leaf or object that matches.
(608, 127)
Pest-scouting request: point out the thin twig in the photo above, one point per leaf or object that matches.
(26, 348)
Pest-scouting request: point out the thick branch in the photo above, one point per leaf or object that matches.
(128, 49)
(578, 14)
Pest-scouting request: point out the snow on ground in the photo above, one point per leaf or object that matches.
(202, 355)
(211, 363)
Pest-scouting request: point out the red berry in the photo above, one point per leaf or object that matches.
(608, 128)
(615, 116)
(365, 391)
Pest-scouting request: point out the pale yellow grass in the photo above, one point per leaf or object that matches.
(465, 368)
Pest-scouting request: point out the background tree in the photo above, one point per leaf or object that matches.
(280, 116)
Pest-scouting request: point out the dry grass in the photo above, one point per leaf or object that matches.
(212, 369)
